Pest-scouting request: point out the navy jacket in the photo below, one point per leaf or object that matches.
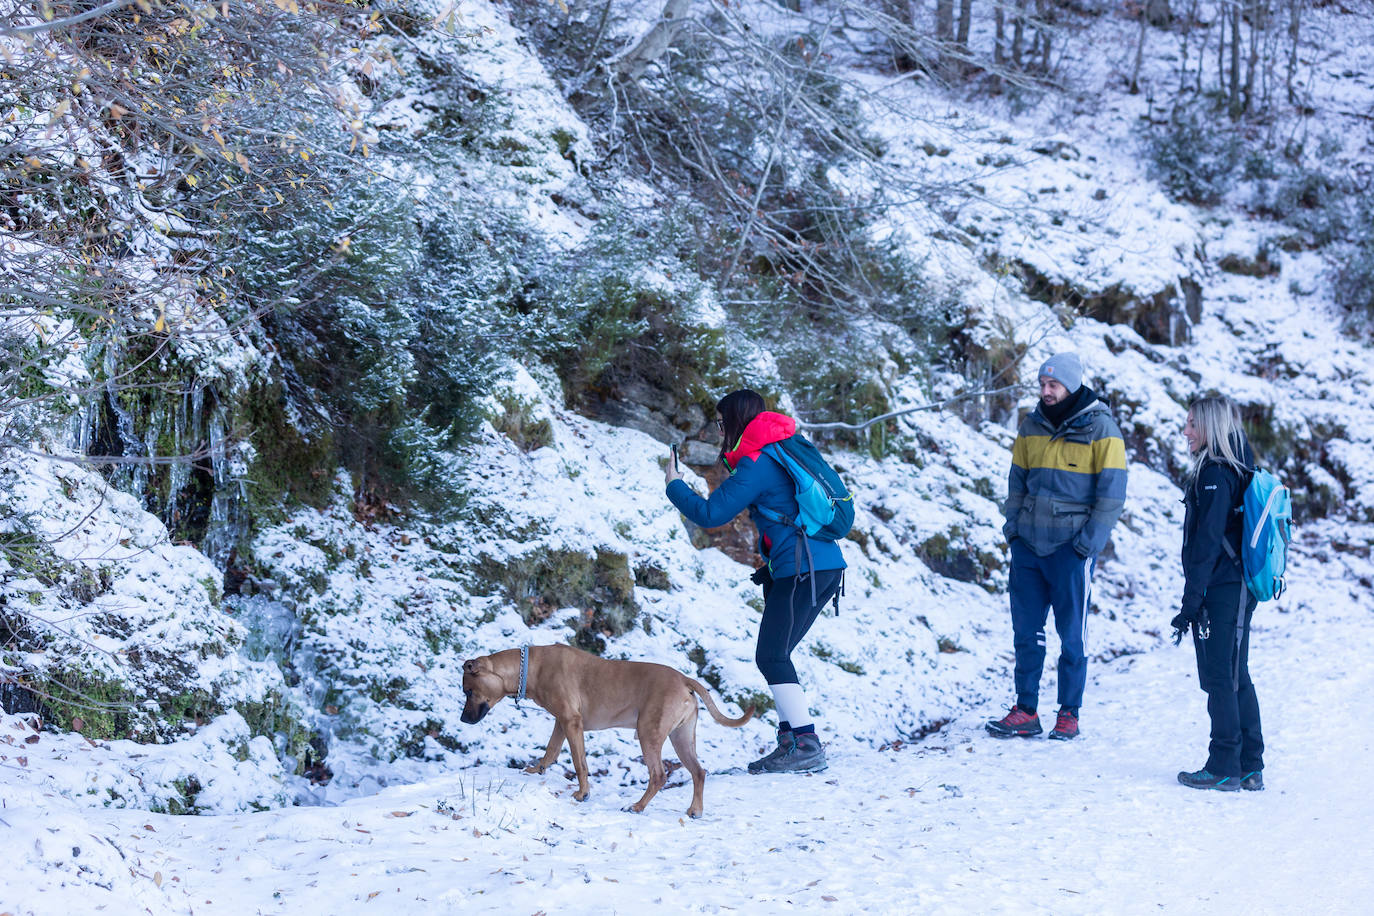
(1212, 518)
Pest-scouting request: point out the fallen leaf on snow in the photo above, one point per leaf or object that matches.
(402, 813)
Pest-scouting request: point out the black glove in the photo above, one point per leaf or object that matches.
(1181, 623)
(762, 577)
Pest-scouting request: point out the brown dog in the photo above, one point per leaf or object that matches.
(586, 693)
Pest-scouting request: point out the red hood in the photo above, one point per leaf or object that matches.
(764, 429)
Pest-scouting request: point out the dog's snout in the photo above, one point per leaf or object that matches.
(474, 714)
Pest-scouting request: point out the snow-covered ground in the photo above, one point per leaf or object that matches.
(955, 823)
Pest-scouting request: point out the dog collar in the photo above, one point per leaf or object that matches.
(524, 674)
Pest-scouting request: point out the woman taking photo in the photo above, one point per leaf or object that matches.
(757, 482)
(1216, 604)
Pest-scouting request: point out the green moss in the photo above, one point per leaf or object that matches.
(949, 554)
(518, 423)
(648, 575)
(824, 652)
(184, 802)
(108, 708)
(31, 554)
(947, 645)
(761, 700)
(600, 585)
(564, 139)
(286, 464)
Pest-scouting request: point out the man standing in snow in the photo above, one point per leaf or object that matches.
(1066, 489)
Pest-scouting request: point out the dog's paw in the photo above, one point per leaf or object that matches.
(535, 769)
(636, 808)
(579, 795)
(694, 814)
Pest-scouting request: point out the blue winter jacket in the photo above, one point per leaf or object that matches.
(1067, 483)
(758, 480)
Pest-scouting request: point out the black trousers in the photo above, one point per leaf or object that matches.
(788, 613)
(1237, 746)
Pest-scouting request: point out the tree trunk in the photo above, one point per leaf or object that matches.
(944, 20)
(965, 21)
(1157, 13)
(1018, 32)
(999, 37)
(1258, 15)
(1134, 85)
(1234, 92)
(1043, 12)
(653, 44)
(1294, 29)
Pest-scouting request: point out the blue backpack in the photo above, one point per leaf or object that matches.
(825, 505)
(1267, 529)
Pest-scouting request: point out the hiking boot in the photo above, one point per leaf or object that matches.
(804, 756)
(1205, 780)
(1065, 725)
(1016, 724)
(785, 744)
(1253, 781)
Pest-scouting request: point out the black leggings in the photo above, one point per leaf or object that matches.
(788, 613)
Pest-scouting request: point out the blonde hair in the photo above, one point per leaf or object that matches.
(1223, 436)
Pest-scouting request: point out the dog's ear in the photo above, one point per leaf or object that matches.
(472, 666)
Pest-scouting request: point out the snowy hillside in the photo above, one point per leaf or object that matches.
(288, 664)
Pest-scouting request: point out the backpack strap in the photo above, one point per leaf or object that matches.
(803, 544)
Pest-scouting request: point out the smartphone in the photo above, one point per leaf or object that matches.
(675, 458)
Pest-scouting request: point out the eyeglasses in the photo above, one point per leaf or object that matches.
(720, 424)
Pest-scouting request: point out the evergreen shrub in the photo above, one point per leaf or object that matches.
(1193, 158)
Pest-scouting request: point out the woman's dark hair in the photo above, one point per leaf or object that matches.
(736, 409)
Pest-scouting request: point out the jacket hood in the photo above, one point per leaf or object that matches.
(765, 429)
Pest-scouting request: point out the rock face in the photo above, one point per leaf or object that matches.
(111, 630)
(1164, 317)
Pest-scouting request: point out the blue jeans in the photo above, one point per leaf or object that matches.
(1062, 580)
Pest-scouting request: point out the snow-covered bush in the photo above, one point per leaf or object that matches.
(1354, 275)
(1190, 155)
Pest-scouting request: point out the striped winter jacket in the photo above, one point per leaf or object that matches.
(1066, 484)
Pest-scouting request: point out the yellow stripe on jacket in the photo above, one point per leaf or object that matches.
(1051, 454)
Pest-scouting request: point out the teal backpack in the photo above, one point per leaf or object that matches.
(1267, 529)
(825, 507)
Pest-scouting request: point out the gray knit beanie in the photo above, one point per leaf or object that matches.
(1064, 368)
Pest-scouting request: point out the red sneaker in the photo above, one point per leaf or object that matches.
(1016, 724)
(1065, 726)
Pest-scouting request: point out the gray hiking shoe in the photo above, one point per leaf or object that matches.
(785, 745)
(805, 756)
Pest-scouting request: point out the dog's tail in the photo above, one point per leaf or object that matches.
(700, 690)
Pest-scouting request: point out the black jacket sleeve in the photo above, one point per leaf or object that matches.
(1216, 498)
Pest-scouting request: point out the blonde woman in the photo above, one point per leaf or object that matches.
(1216, 604)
